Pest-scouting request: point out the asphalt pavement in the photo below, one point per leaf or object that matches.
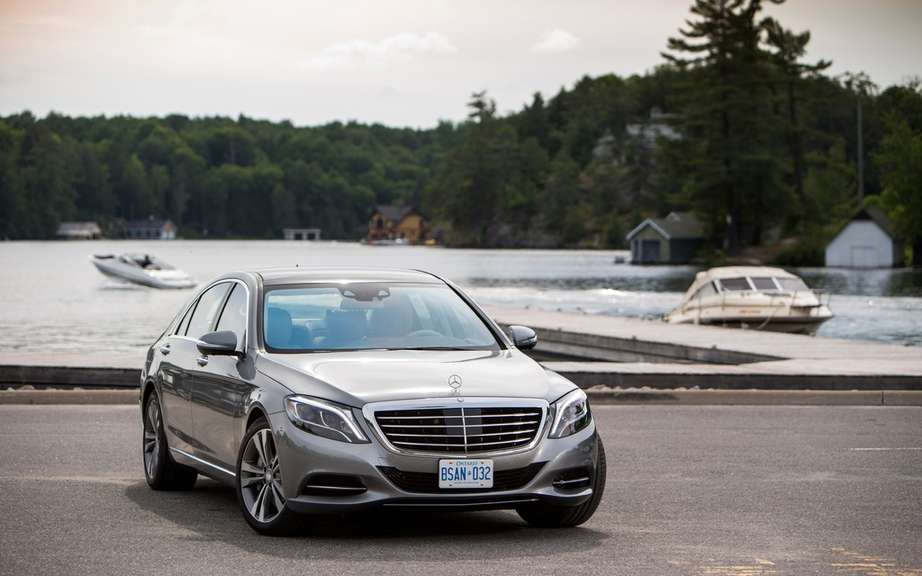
(707, 490)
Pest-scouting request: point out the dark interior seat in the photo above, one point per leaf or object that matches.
(278, 328)
(345, 327)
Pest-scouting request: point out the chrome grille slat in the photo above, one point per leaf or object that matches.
(458, 416)
(466, 429)
(456, 445)
(529, 431)
(459, 426)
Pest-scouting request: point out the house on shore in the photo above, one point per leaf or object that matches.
(867, 241)
(397, 223)
(79, 231)
(150, 229)
(673, 239)
(301, 233)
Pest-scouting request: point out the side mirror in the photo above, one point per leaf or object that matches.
(523, 337)
(223, 343)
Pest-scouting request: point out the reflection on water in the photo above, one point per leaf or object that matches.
(52, 299)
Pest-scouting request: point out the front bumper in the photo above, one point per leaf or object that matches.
(303, 455)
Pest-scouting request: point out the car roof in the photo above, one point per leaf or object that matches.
(342, 275)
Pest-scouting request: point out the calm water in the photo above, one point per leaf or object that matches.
(53, 299)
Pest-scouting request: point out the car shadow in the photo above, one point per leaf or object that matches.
(210, 513)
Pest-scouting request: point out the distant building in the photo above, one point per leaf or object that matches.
(79, 231)
(301, 233)
(150, 229)
(867, 241)
(397, 223)
(674, 239)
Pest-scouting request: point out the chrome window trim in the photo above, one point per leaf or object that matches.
(371, 408)
(246, 334)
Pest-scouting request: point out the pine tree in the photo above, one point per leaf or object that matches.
(788, 50)
(733, 173)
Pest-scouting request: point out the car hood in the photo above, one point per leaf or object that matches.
(359, 377)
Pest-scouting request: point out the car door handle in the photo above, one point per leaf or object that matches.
(165, 349)
(202, 361)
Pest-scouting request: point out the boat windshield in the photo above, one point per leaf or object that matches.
(792, 284)
(371, 315)
(734, 284)
(145, 261)
(762, 284)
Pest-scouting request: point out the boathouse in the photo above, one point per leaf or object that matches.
(867, 241)
(673, 239)
(397, 223)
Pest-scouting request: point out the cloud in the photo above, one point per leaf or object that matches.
(556, 41)
(403, 46)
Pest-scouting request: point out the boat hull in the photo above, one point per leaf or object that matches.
(808, 326)
(114, 269)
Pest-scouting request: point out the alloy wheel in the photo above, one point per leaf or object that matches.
(152, 437)
(260, 479)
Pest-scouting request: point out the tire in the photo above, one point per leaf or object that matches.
(548, 516)
(262, 501)
(160, 471)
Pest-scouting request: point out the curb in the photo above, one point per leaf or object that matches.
(597, 397)
(69, 396)
(759, 397)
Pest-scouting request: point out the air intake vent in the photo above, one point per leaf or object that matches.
(332, 485)
(465, 430)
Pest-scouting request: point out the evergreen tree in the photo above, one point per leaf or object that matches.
(727, 119)
(788, 50)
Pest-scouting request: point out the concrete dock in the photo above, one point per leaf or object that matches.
(607, 354)
(608, 351)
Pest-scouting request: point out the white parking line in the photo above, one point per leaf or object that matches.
(898, 449)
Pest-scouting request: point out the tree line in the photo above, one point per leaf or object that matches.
(761, 142)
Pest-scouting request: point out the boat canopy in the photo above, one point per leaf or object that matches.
(728, 273)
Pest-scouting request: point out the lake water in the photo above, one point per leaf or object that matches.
(52, 299)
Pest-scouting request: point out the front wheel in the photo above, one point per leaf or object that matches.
(548, 516)
(259, 483)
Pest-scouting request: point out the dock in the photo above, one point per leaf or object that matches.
(612, 357)
(595, 350)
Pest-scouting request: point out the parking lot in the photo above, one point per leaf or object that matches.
(711, 490)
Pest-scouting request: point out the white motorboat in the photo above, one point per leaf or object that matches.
(755, 297)
(142, 269)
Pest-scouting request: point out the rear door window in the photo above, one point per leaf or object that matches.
(209, 304)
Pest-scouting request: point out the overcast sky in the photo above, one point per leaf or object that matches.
(406, 62)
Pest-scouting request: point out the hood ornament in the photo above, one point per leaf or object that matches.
(454, 382)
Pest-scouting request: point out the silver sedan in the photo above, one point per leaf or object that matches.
(333, 390)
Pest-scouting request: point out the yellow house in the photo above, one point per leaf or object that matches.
(397, 223)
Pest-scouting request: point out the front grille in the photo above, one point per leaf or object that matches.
(467, 430)
(426, 482)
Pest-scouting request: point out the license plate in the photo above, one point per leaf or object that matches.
(465, 473)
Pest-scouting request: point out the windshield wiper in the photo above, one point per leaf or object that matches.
(433, 348)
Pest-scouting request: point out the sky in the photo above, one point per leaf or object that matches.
(406, 62)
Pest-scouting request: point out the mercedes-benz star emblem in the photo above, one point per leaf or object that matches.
(454, 381)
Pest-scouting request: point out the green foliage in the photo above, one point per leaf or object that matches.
(758, 142)
(900, 162)
(213, 177)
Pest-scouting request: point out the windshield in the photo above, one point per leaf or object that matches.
(361, 316)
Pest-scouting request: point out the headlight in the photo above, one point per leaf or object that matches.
(323, 418)
(571, 414)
